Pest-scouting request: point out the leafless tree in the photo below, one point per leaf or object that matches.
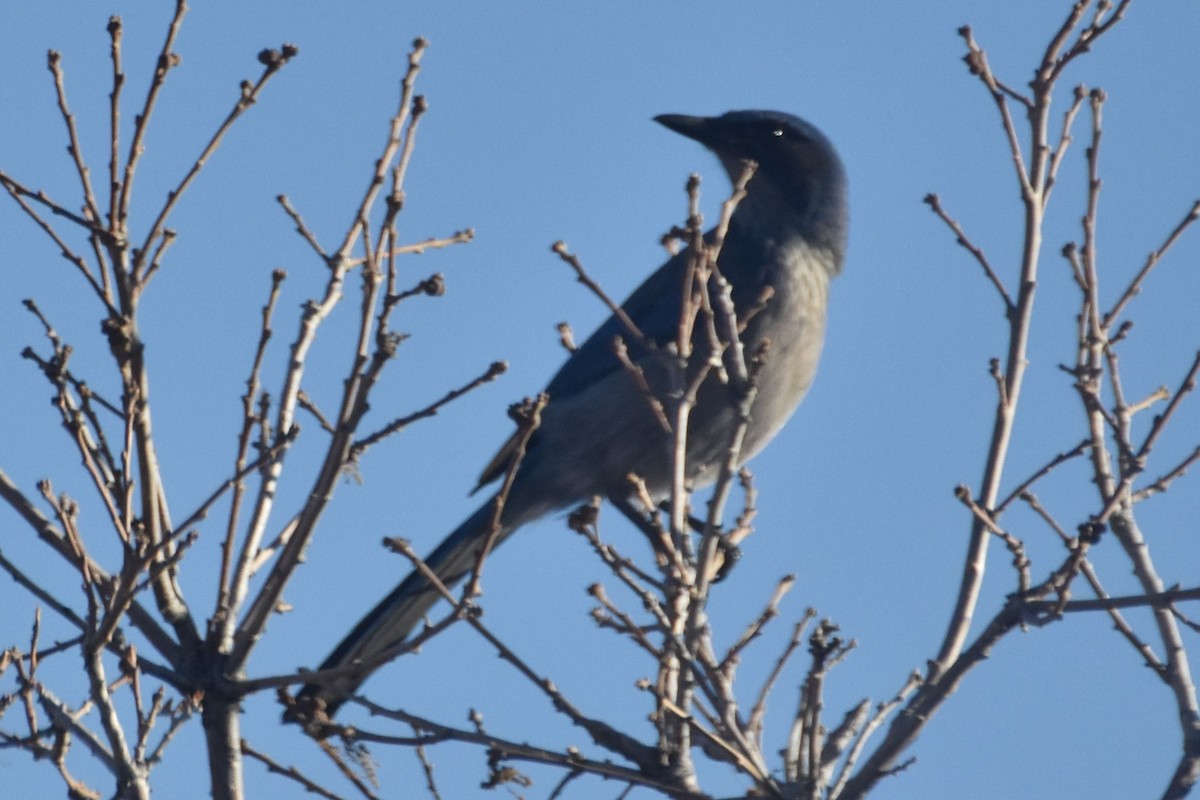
(138, 633)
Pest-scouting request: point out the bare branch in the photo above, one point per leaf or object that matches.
(75, 148)
(581, 275)
(167, 60)
(494, 370)
(1186, 387)
(291, 773)
(19, 193)
(272, 61)
(1162, 483)
(1135, 286)
(1042, 472)
(935, 203)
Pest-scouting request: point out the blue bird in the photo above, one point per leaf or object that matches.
(788, 236)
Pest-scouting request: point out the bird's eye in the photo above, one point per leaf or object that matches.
(777, 132)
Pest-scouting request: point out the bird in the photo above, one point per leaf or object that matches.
(786, 239)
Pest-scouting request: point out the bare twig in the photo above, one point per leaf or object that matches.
(354, 403)
(935, 203)
(1135, 285)
(1042, 472)
(494, 370)
(291, 773)
(569, 258)
(435, 732)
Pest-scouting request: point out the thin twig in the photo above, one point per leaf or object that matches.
(272, 62)
(291, 773)
(1135, 285)
(494, 370)
(935, 203)
(569, 258)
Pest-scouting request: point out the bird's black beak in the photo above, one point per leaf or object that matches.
(698, 128)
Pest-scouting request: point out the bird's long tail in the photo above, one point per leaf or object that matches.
(390, 622)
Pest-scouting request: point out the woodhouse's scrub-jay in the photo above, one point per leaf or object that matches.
(788, 234)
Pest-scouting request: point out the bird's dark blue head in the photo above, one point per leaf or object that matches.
(800, 185)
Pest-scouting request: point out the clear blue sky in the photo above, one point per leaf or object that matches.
(539, 129)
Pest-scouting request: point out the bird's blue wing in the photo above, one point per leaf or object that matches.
(654, 308)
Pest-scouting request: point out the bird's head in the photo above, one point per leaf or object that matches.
(800, 185)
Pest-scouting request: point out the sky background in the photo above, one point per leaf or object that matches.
(539, 129)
